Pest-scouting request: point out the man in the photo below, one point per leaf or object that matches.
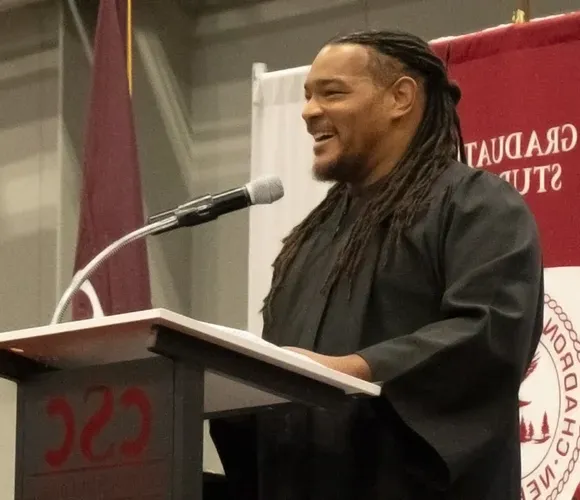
(417, 272)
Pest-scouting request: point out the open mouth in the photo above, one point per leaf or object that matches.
(322, 137)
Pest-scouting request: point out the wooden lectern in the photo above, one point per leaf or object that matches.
(113, 408)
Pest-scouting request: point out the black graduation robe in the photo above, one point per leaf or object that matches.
(448, 320)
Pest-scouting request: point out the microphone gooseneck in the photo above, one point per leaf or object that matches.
(259, 192)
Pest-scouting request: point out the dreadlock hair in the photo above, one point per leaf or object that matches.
(402, 193)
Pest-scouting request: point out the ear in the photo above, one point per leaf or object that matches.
(404, 96)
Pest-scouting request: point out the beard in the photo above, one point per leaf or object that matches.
(345, 169)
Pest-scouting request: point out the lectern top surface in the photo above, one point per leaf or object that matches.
(126, 337)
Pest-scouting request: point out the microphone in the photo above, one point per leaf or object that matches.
(262, 191)
(259, 192)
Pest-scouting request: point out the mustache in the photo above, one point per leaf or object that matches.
(317, 127)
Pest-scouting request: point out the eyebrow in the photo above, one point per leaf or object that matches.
(325, 81)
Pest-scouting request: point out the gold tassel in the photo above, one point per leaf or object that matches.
(519, 17)
(522, 13)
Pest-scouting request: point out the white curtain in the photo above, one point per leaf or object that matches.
(280, 146)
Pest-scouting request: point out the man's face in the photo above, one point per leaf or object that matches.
(346, 112)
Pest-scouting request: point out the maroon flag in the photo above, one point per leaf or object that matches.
(111, 204)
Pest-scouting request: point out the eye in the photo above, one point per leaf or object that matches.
(333, 93)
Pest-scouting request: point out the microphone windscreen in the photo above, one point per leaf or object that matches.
(265, 190)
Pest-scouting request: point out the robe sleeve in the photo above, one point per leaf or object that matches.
(455, 382)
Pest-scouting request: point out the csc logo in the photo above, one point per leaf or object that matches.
(132, 399)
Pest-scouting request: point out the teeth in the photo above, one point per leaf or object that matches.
(321, 137)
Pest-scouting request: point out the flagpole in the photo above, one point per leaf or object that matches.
(81, 29)
(129, 46)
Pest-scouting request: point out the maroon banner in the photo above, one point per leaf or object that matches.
(520, 115)
(111, 203)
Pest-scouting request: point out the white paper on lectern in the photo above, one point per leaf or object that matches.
(254, 338)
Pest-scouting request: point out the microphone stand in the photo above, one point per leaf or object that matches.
(85, 273)
(193, 213)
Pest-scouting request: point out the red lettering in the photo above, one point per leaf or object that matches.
(568, 361)
(59, 407)
(570, 382)
(560, 343)
(534, 489)
(134, 397)
(550, 329)
(96, 424)
(570, 423)
(571, 403)
(549, 474)
(563, 452)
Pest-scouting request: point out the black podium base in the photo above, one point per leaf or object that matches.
(131, 431)
(214, 487)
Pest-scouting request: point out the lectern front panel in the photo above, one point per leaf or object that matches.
(106, 432)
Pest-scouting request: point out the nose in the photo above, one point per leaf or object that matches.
(311, 109)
